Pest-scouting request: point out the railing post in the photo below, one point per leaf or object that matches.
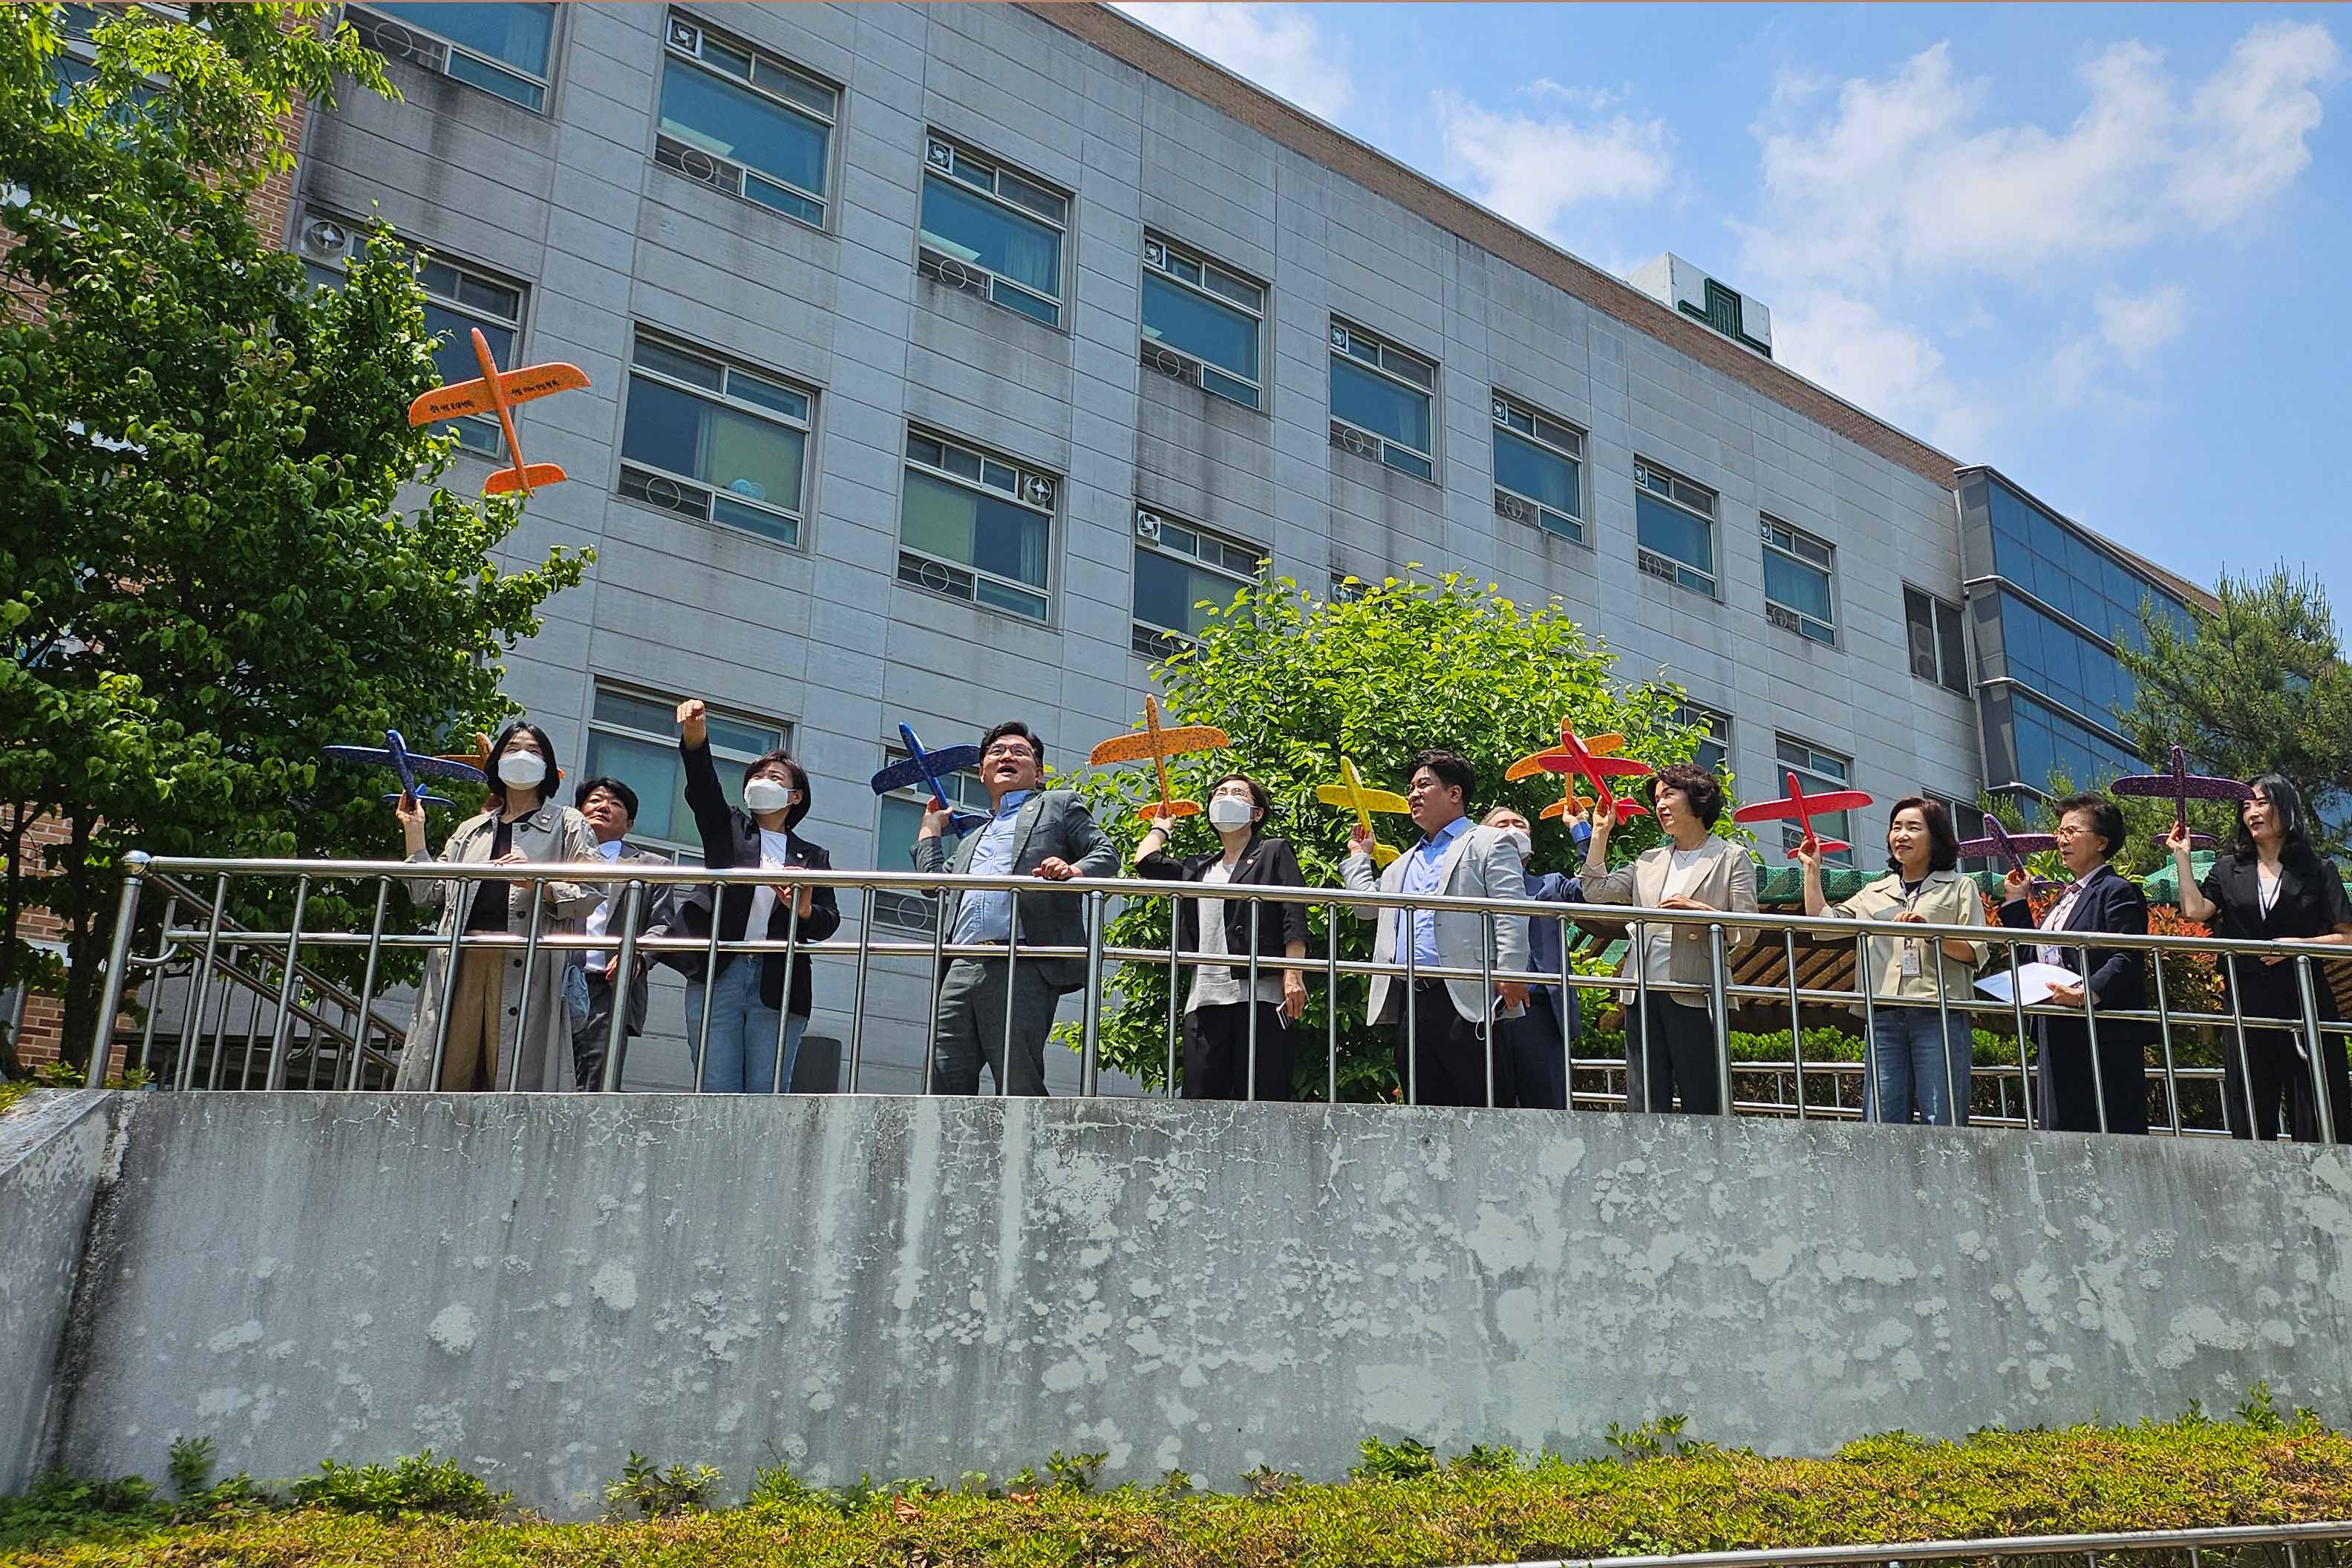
(286, 984)
(779, 1075)
(1409, 937)
(864, 977)
(1489, 1004)
(2319, 1084)
(118, 964)
(186, 1076)
(616, 1026)
(459, 907)
(2164, 1034)
(1872, 1110)
(1637, 1034)
(2017, 1013)
(2091, 1029)
(156, 998)
(1090, 1030)
(1955, 1113)
(1720, 986)
(1249, 1090)
(1175, 984)
(1331, 1002)
(522, 997)
(1796, 1019)
(1012, 962)
(938, 977)
(709, 987)
(366, 1016)
(2245, 1060)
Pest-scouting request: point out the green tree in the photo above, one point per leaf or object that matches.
(204, 575)
(1297, 683)
(2257, 686)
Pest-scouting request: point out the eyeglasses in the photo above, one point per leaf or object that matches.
(1016, 751)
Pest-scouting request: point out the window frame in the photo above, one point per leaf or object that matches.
(1809, 775)
(370, 22)
(889, 905)
(1350, 437)
(1521, 507)
(1695, 715)
(681, 155)
(798, 516)
(1026, 475)
(1671, 569)
(941, 155)
(1160, 255)
(1936, 605)
(1789, 617)
(1159, 643)
(689, 853)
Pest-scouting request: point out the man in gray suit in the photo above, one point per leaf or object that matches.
(1047, 834)
(611, 808)
(1453, 1061)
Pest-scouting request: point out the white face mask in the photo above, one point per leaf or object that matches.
(521, 770)
(764, 794)
(1225, 811)
(1521, 845)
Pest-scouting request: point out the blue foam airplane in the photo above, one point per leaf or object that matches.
(927, 769)
(394, 754)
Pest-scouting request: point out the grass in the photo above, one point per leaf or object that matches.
(1405, 1508)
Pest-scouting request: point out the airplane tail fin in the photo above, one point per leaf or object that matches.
(537, 474)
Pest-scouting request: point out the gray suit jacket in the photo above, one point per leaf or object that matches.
(652, 920)
(1051, 822)
(1479, 864)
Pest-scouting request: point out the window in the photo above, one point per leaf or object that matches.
(1714, 752)
(1539, 470)
(1201, 322)
(1818, 772)
(901, 818)
(500, 48)
(2063, 569)
(737, 118)
(1347, 587)
(2052, 658)
(633, 737)
(714, 442)
(975, 526)
(1177, 565)
(1673, 524)
(1933, 629)
(1380, 399)
(2047, 743)
(991, 232)
(1798, 569)
(458, 298)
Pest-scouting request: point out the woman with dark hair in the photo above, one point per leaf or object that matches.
(1217, 1014)
(521, 822)
(2272, 886)
(1670, 1043)
(1920, 1052)
(2070, 1100)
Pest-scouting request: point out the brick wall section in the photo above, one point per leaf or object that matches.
(1222, 90)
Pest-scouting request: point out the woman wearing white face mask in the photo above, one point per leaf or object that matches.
(1217, 1016)
(756, 1011)
(488, 1041)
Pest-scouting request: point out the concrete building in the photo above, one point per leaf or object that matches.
(943, 356)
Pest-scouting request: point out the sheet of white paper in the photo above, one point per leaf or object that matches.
(2035, 978)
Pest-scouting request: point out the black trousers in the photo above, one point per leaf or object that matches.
(2282, 1080)
(2067, 1098)
(1531, 1044)
(1670, 1049)
(589, 1036)
(1217, 1052)
(1450, 1065)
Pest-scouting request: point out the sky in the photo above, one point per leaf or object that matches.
(2106, 249)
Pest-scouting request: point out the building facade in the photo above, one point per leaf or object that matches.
(944, 356)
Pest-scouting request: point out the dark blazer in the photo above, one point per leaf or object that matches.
(1051, 822)
(731, 838)
(1546, 952)
(1265, 863)
(2311, 902)
(2117, 979)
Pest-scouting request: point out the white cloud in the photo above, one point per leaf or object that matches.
(1592, 99)
(1533, 170)
(1847, 346)
(1280, 47)
(2136, 327)
(2258, 109)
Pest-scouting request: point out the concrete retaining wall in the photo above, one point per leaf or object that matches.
(537, 1285)
(52, 1155)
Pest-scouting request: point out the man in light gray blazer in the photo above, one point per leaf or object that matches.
(1453, 1060)
(610, 807)
(1048, 834)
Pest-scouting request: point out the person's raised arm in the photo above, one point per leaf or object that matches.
(714, 820)
(2195, 903)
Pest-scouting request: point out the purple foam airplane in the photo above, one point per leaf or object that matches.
(2182, 786)
(2013, 847)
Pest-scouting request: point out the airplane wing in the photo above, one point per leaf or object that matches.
(1175, 741)
(1835, 801)
(2142, 784)
(1770, 811)
(450, 401)
(2200, 788)
(443, 767)
(1529, 765)
(374, 755)
(1602, 745)
(1604, 767)
(1348, 799)
(532, 381)
(907, 772)
(2021, 843)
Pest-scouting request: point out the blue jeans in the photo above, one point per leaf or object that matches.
(1908, 1048)
(742, 1033)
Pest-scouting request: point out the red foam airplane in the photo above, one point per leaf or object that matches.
(1804, 807)
(1589, 758)
(497, 392)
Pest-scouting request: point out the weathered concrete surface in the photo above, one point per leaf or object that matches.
(52, 1154)
(910, 1287)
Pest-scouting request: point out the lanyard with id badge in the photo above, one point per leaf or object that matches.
(1913, 962)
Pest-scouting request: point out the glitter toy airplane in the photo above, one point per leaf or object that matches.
(926, 769)
(1804, 808)
(2182, 786)
(497, 392)
(394, 754)
(1351, 794)
(2013, 846)
(1158, 745)
(1591, 758)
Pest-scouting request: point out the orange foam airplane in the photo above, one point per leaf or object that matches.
(1591, 757)
(1158, 745)
(497, 392)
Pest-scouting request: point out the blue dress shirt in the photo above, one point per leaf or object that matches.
(1421, 864)
(988, 916)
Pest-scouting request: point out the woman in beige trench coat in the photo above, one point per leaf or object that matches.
(521, 821)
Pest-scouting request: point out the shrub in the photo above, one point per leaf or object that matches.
(654, 1493)
(410, 1489)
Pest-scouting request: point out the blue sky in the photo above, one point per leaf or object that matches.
(2104, 248)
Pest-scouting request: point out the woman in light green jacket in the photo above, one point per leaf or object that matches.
(1919, 1052)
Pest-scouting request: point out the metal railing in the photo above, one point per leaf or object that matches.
(2323, 1545)
(208, 946)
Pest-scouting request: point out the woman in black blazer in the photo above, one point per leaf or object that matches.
(2090, 831)
(2272, 886)
(1217, 1016)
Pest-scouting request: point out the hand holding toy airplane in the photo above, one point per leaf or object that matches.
(1591, 759)
(497, 392)
(2182, 786)
(394, 754)
(1352, 796)
(927, 768)
(1804, 807)
(1158, 745)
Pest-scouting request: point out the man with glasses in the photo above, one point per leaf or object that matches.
(1046, 834)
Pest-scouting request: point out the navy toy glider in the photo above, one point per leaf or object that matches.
(394, 754)
(927, 769)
